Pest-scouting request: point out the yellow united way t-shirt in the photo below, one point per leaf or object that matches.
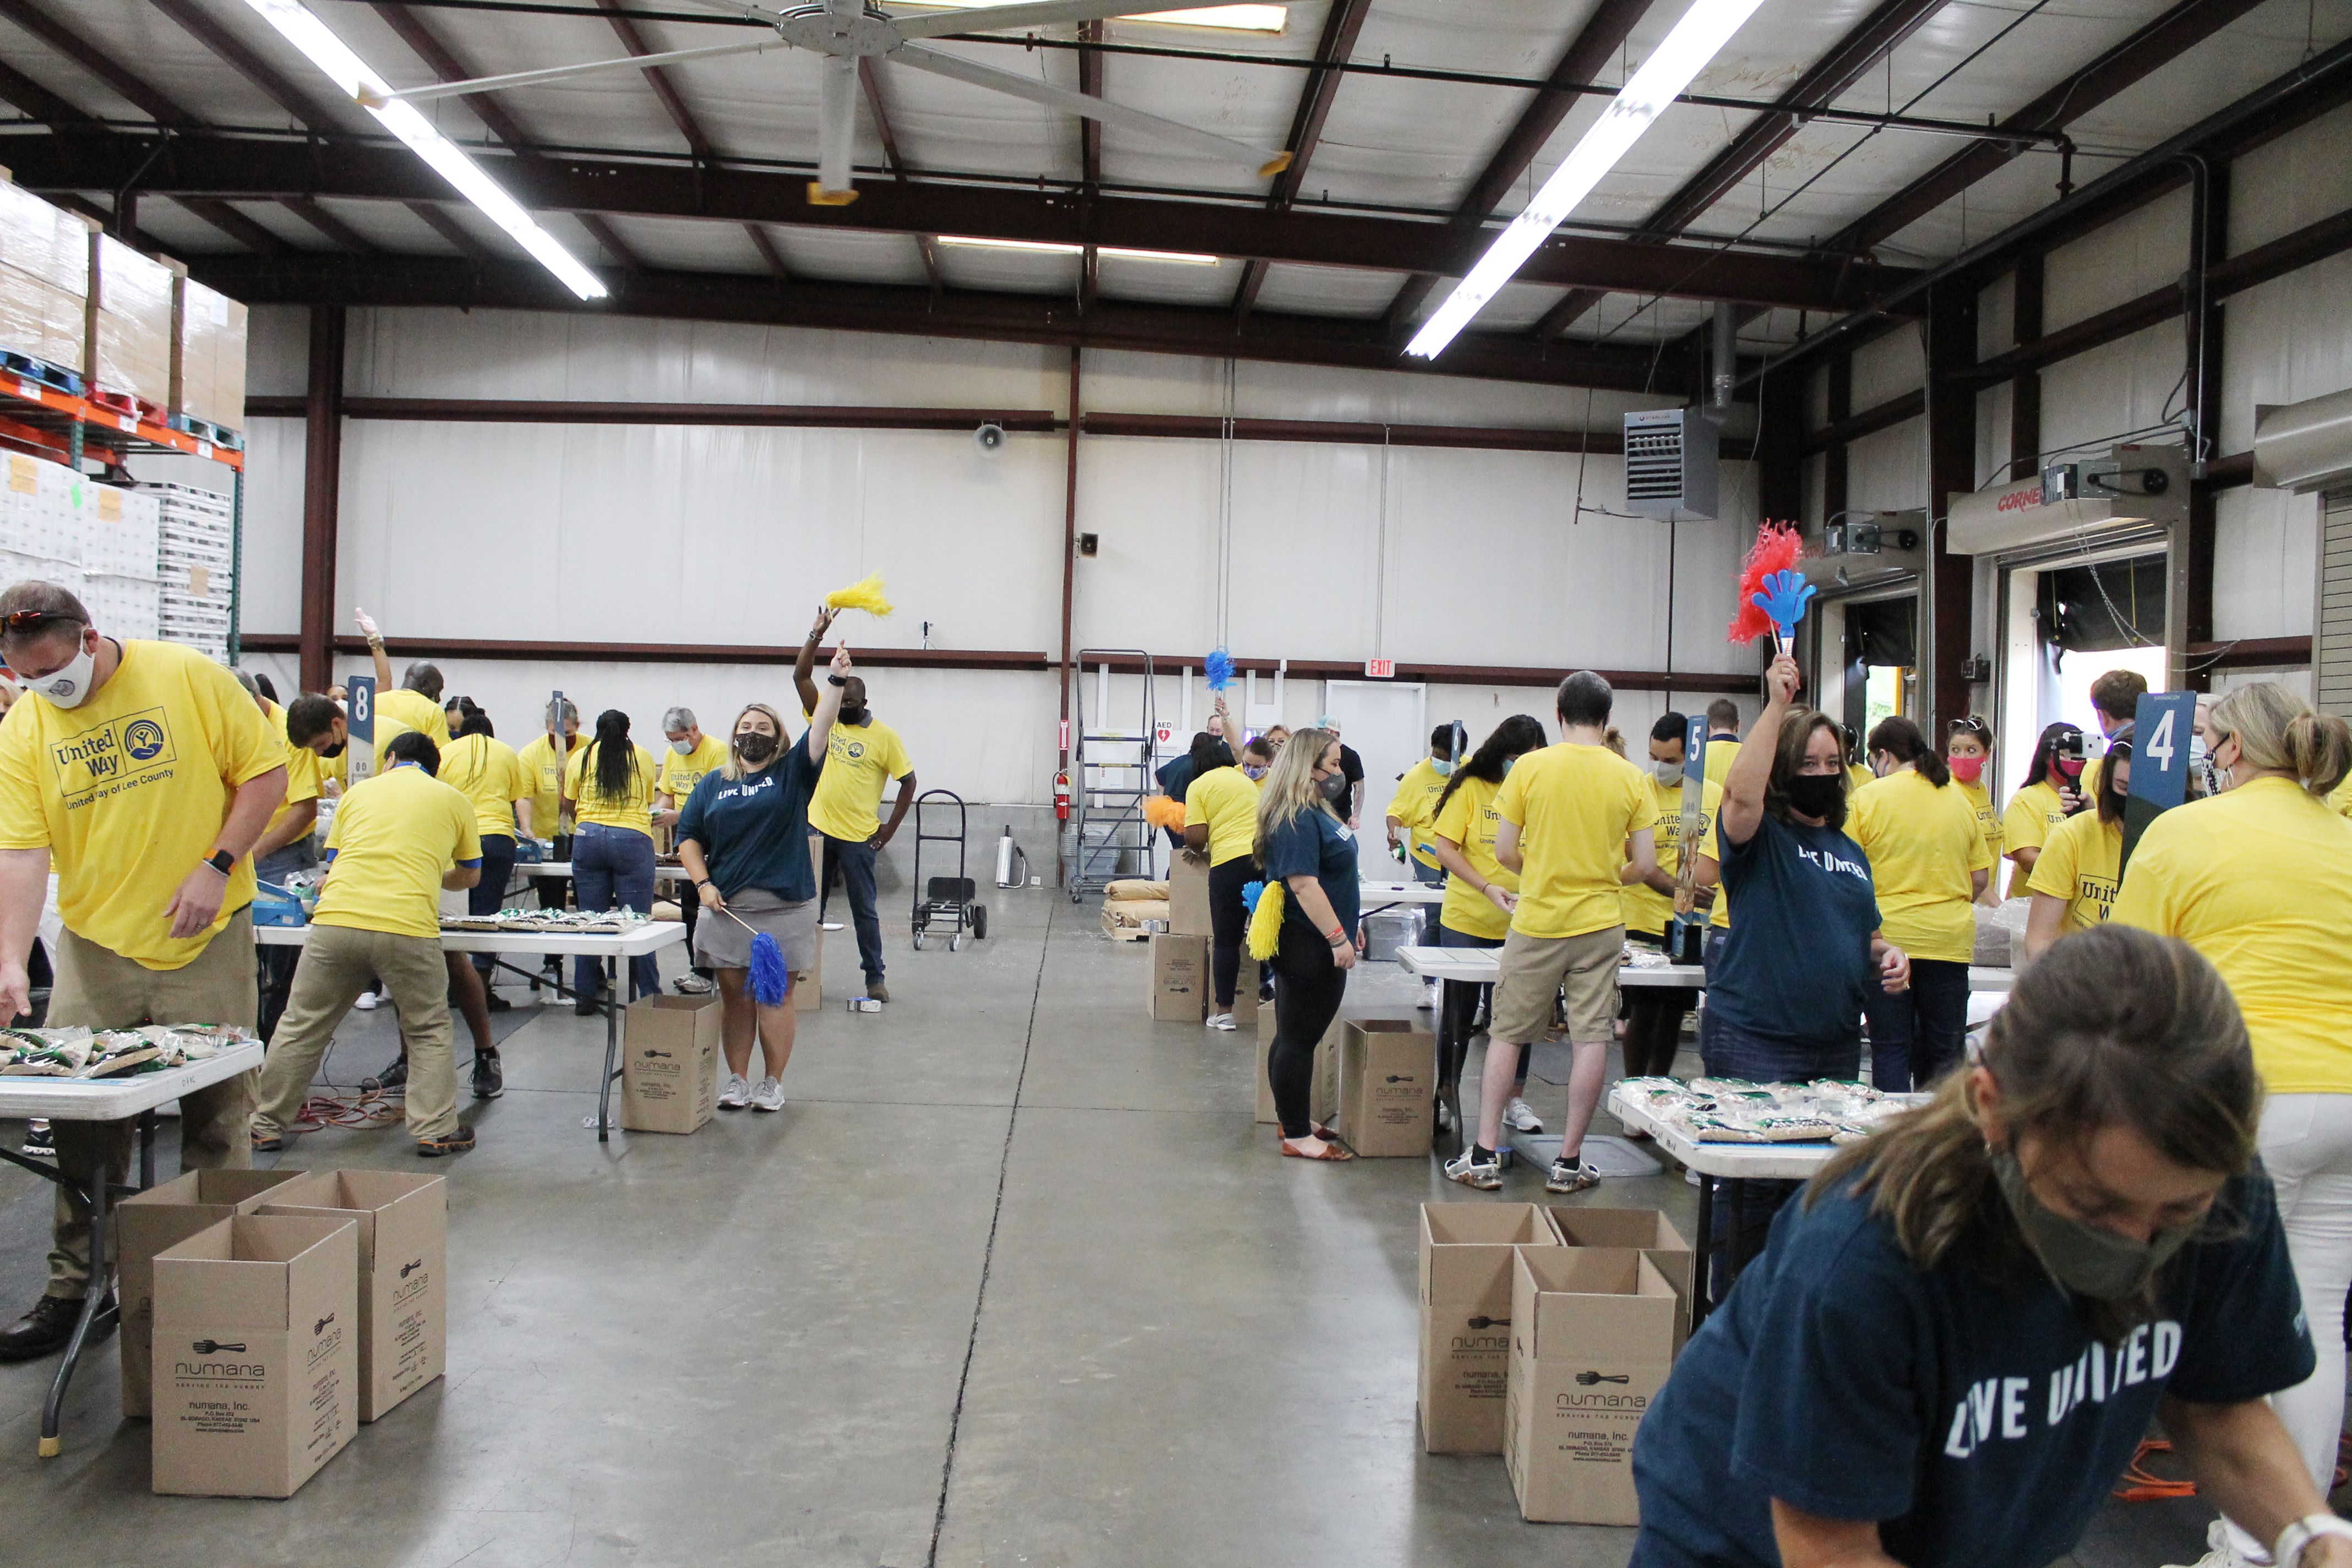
(1469, 818)
(632, 808)
(1979, 800)
(858, 759)
(1224, 800)
(1646, 908)
(2081, 863)
(546, 780)
(2259, 879)
(680, 772)
(1414, 806)
(127, 792)
(415, 711)
(301, 770)
(1923, 843)
(1575, 807)
(491, 776)
(2033, 815)
(396, 837)
(1720, 756)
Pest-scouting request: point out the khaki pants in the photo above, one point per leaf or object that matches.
(99, 989)
(1534, 970)
(337, 963)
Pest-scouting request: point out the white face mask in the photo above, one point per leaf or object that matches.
(683, 748)
(1669, 773)
(70, 687)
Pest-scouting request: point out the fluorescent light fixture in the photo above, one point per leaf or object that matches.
(1234, 18)
(1705, 28)
(1047, 247)
(294, 21)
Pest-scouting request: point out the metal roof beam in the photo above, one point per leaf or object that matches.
(1342, 24)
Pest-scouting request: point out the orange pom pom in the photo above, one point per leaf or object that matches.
(1164, 811)
(1778, 548)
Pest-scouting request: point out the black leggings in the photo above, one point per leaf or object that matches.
(1654, 1029)
(1307, 992)
(1230, 922)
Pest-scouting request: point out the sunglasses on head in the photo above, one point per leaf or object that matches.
(20, 621)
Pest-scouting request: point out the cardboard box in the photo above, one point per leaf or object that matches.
(1246, 980)
(1323, 1098)
(43, 279)
(1465, 1310)
(1388, 1083)
(403, 1272)
(1593, 1341)
(208, 334)
(669, 1063)
(256, 1363)
(808, 988)
(1646, 1231)
(1180, 977)
(130, 321)
(1188, 898)
(163, 1216)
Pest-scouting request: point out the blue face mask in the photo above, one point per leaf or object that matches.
(1441, 766)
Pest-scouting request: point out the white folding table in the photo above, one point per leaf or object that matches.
(608, 947)
(129, 1098)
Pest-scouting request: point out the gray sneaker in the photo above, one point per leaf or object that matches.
(736, 1094)
(1472, 1172)
(770, 1095)
(1571, 1176)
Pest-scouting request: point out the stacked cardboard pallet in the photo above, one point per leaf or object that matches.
(99, 540)
(208, 357)
(195, 531)
(44, 256)
(129, 345)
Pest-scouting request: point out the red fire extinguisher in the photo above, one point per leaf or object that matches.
(1062, 795)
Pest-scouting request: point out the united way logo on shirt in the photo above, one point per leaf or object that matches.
(121, 754)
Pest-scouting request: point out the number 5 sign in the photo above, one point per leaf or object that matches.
(2162, 724)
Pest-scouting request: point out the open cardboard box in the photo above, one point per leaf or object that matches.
(1592, 1342)
(1465, 1319)
(403, 1272)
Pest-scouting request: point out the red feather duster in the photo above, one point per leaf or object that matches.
(1777, 549)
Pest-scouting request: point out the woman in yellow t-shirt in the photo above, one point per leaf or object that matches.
(1928, 864)
(1968, 752)
(1479, 893)
(2259, 879)
(2073, 882)
(609, 788)
(2050, 795)
(1221, 824)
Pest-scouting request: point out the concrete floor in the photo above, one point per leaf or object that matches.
(1015, 1279)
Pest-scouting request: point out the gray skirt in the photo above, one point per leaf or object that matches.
(721, 943)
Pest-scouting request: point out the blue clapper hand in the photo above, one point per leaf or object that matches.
(1250, 892)
(1784, 598)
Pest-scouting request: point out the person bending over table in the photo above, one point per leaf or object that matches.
(1307, 849)
(689, 755)
(1576, 822)
(1221, 826)
(491, 776)
(143, 775)
(846, 806)
(398, 840)
(1960, 1336)
(1929, 863)
(545, 763)
(2050, 795)
(2258, 879)
(1480, 891)
(1805, 955)
(2075, 876)
(1967, 752)
(743, 838)
(1411, 809)
(1655, 1014)
(284, 849)
(608, 786)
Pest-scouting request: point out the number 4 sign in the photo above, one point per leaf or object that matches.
(2162, 724)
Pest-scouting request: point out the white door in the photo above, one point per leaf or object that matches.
(1385, 721)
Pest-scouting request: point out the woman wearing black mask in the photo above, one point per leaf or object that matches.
(1786, 992)
(1961, 1334)
(1308, 850)
(743, 838)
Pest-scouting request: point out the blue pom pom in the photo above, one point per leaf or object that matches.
(771, 981)
(1219, 667)
(1250, 891)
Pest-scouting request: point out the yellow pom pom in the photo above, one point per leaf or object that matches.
(1164, 811)
(1265, 923)
(866, 595)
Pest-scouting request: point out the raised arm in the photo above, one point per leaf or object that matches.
(1751, 770)
(375, 650)
(804, 667)
(827, 708)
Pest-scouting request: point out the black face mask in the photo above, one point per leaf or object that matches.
(755, 747)
(1816, 795)
(334, 751)
(856, 715)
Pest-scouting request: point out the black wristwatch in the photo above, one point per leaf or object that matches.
(222, 862)
(836, 680)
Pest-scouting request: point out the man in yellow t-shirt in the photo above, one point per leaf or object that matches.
(1722, 739)
(143, 775)
(1577, 823)
(688, 757)
(399, 839)
(1411, 811)
(863, 755)
(1653, 1013)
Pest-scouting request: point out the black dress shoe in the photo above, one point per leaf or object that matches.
(44, 1330)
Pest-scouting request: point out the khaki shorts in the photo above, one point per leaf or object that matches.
(1534, 968)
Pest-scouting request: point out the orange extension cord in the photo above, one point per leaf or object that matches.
(2141, 1485)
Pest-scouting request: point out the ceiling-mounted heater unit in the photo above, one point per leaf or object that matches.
(2306, 448)
(1670, 464)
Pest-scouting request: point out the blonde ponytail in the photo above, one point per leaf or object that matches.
(2277, 732)
(2321, 747)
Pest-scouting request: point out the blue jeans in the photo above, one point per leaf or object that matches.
(488, 895)
(613, 868)
(1730, 1051)
(1916, 1036)
(1428, 912)
(855, 857)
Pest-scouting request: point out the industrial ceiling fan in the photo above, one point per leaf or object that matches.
(846, 32)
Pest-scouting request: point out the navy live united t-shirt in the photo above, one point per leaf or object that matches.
(1981, 1425)
(1796, 965)
(754, 830)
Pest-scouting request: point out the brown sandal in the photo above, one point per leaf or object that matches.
(1332, 1150)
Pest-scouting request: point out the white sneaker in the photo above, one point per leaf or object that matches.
(1429, 997)
(366, 1000)
(1221, 1021)
(829, 925)
(2222, 1553)
(1520, 1117)
(736, 1094)
(1690, 1177)
(769, 1096)
(693, 985)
